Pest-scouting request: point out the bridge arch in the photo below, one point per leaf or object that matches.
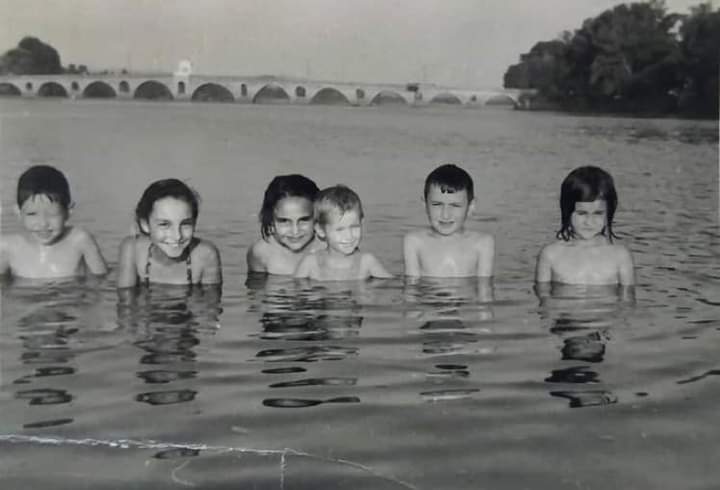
(271, 94)
(500, 100)
(388, 97)
(329, 96)
(99, 90)
(212, 92)
(446, 98)
(8, 89)
(152, 90)
(52, 89)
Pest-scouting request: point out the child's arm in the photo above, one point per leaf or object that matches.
(94, 260)
(486, 256)
(4, 258)
(254, 260)
(374, 268)
(411, 256)
(304, 268)
(543, 268)
(627, 268)
(212, 267)
(127, 270)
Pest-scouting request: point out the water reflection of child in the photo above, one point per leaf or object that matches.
(585, 252)
(286, 226)
(168, 251)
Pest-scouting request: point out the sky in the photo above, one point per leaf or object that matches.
(463, 43)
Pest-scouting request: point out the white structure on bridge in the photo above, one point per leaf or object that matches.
(183, 85)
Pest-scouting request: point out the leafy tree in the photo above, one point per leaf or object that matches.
(633, 57)
(700, 46)
(31, 57)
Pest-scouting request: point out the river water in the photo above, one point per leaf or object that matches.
(375, 385)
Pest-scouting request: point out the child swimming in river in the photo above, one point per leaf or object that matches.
(338, 222)
(167, 250)
(286, 226)
(48, 248)
(446, 248)
(585, 252)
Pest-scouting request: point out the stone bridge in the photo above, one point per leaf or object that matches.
(254, 90)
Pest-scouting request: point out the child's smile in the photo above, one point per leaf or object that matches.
(171, 226)
(293, 223)
(343, 233)
(43, 219)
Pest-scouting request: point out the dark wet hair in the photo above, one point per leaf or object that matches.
(45, 180)
(336, 198)
(586, 184)
(161, 189)
(282, 186)
(450, 178)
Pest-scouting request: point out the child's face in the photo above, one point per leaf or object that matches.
(342, 232)
(589, 218)
(170, 225)
(43, 219)
(293, 223)
(447, 211)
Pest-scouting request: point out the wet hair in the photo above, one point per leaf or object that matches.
(338, 198)
(44, 180)
(450, 178)
(161, 189)
(586, 184)
(282, 186)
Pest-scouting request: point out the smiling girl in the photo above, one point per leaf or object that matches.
(585, 252)
(286, 226)
(167, 250)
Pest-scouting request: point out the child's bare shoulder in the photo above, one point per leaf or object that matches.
(417, 237)
(205, 250)
(481, 239)
(552, 250)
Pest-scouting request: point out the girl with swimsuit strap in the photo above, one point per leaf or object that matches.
(166, 215)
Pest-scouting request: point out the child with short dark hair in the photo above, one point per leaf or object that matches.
(338, 222)
(286, 226)
(48, 248)
(167, 250)
(447, 249)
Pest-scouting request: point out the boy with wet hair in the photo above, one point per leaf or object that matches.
(338, 222)
(47, 248)
(446, 248)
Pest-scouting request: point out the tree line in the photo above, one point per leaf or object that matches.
(633, 58)
(33, 57)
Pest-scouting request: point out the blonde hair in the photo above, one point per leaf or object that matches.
(338, 198)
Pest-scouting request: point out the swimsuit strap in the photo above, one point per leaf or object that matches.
(188, 265)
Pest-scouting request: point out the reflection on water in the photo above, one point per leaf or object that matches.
(583, 318)
(167, 323)
(306, 316)
(454, 316)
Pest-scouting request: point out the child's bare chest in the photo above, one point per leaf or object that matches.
(60, 260)
(456, 258)
(578, 266)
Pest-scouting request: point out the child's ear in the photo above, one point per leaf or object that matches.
(18, 213)
(471, 206)
(319, 232)
(144, 226)
(70, 208)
